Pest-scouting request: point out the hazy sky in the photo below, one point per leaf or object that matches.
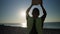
(11, 10)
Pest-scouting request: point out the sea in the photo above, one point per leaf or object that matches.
(51, 25)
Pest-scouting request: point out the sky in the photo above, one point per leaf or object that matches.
(13, 11)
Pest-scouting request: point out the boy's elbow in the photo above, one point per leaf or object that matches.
(46, 13)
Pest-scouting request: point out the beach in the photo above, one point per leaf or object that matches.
(20, 30)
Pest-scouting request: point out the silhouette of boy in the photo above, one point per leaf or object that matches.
(35, 23)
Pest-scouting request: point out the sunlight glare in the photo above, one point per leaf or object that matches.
(24, 25)
(22, 16)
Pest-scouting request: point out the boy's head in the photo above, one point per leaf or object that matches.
(35, 12)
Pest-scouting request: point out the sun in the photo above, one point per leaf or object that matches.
(23, 14)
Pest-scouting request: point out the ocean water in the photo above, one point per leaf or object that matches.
(51, 25)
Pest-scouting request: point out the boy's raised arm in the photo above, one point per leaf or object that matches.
(44, 13)
(28, 11)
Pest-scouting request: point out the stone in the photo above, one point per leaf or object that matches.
(36, 2)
